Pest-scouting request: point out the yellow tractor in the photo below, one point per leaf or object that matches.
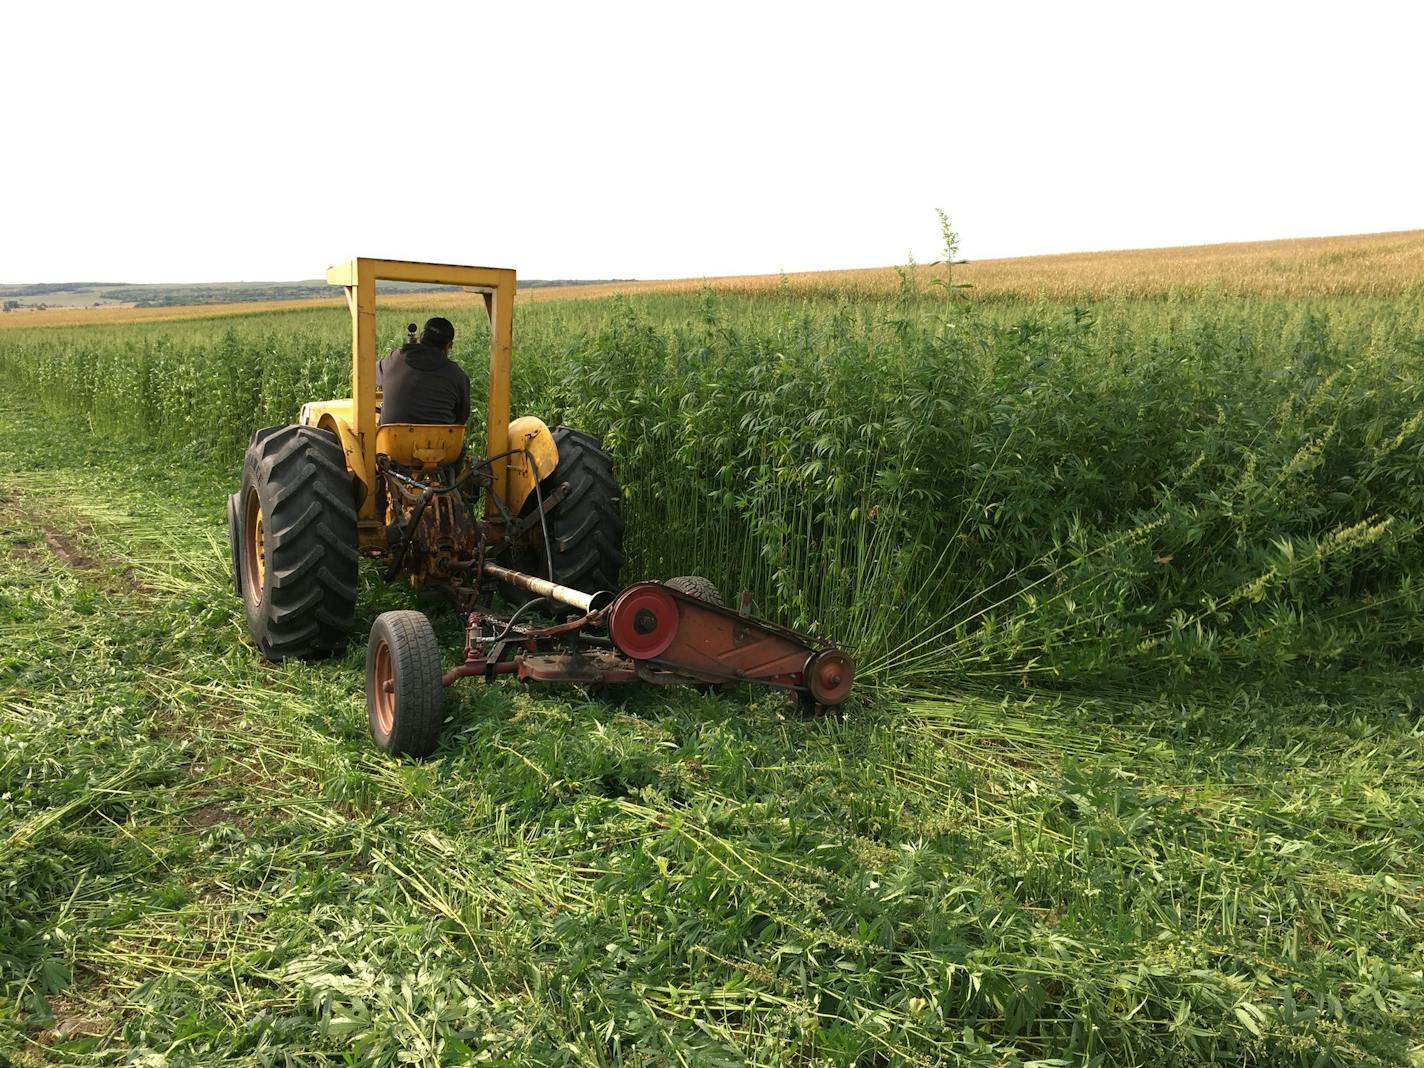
(339, 485)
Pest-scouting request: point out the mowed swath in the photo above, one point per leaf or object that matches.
(1387, 264)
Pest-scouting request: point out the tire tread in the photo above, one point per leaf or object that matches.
(419, 691)
(313, 564)
(586, 527)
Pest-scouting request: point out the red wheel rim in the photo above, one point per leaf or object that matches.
(643, 621)
(383, 698)
(830, 675)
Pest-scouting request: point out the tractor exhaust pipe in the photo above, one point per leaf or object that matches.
(585, 602)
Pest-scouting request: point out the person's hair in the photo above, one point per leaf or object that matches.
(438, 332)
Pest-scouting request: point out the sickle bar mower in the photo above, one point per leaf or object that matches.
(650, 632)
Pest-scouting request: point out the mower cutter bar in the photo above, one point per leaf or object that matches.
(654, 633)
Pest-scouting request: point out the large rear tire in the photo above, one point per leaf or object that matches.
(234, 539)
(405, 697)
(585, 527)
(299, 565)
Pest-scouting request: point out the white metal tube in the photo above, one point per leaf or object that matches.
(543, 587)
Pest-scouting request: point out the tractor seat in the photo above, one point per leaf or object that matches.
(426, 446)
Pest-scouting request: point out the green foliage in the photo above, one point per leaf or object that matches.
(1021, 491)
(203, 860)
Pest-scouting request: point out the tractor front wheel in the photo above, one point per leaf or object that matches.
(405, 697)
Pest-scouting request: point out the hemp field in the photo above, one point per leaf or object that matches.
(1130, 553)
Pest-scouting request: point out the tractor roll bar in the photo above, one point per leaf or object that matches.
(359, 277)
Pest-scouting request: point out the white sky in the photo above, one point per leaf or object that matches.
(154, 142)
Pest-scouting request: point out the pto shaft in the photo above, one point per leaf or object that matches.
(586, 602)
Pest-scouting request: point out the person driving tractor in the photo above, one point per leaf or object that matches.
(419, 381)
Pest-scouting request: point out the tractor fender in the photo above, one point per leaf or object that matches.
(531, 437)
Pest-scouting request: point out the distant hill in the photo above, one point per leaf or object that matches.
(166, 295)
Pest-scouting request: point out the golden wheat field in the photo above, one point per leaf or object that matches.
(1362, 264)
(1387, 264)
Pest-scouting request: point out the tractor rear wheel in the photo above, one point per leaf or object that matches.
(296, 537)
(585, 527)
(405, 697)
(234, 539)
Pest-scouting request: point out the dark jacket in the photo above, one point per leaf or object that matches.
(422, 385)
